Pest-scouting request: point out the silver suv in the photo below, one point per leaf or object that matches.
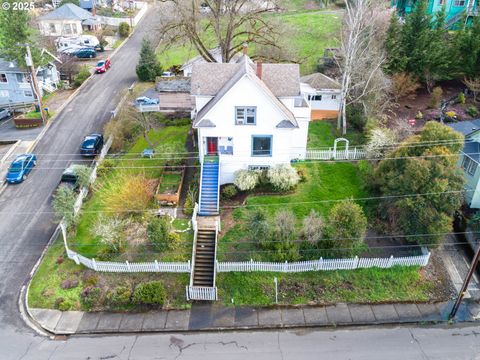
(4, 113)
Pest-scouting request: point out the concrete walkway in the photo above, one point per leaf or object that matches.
(207, 316)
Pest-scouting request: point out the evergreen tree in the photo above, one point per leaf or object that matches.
(393, 46)
(467, 49)
(148, 67)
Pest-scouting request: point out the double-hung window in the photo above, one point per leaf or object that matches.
(459, 3)
(469, 165)
(245, 115)
(261, 145)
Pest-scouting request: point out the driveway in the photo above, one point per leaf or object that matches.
(25, 210)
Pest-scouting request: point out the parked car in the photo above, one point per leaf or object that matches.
(69, 177)
(86, 53)
(168, 74)
(20, 168)
(5, 114)
(91, 145)
(103, 66)
(145, 100)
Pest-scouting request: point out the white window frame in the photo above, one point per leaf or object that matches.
(52, 28)
(244, 118)
(270, 154)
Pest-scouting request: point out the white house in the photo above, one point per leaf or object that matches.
(251, 115)
(216, 54)
(67, 20)
(323, 94)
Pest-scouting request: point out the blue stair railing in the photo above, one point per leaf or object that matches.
(209, 186)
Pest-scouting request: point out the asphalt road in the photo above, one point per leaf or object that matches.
(25, 210)
(356, 344)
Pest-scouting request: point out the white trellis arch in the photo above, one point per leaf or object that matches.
(335, 154)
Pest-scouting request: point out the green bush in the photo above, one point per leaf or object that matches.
(190, 201)
(65, 305)
(356, 116)
(436, 97)
(283, 177)
(90, 297)
(472, 111)
(258, 227)
(120, 295)
(174, 240)
(461, 98)
(63, 205)
(303, 174)
(246, 179)
(105, 167)
(149, 293)
(229, 191)
(123, 29)
(158, 230)
(122, 129)
(82, 75)
(283, 236)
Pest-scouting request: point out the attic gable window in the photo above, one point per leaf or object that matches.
(3, 78)
(245, 115)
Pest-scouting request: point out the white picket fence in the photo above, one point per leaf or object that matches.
(324, 264)
(331, 154)
(201, 293)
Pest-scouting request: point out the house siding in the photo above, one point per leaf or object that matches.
(287, 143)
(17, 91)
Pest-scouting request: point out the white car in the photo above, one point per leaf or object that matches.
(5, 114)
(168, 74)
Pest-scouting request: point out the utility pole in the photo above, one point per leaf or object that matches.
(473, 266)
(36, 88)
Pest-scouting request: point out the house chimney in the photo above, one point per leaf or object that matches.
(245, 48)
(259, 69)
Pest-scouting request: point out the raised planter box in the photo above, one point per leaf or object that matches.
(168, 190)
(24, 123)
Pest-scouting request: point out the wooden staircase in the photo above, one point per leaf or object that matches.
(204, 265)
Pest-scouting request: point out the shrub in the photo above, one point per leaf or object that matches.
(63, 205)
(404, 86)
(451, 114)
(258, 226)
(461, 98)
(128, 194)
(149, 293)
(190, 200)
(356, 116)
(283, 237)
(83, 173)
(472, 111)
(123, 29)
(246, 180)
(346, 227)
(122, 129)
(283, 177)
(312, 227)
(158, 230)
(303, 174)
(110, 232)
(82, 75)
(419, 115)
(174, 240)
(229, 191)
(436, 96)
(91, 297)
(105, 167)
(120, 295)
(65, 305)
(380, 141)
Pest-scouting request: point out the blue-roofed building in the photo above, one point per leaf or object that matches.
(87, 4)
(470, 159)
(67, 20)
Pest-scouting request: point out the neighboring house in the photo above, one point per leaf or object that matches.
(174, 94)
(67, 20)
(455, 9)
(323, 94)
(216, 54)
(15, 86)
(253, 116)
(88, 4)
(470, 159)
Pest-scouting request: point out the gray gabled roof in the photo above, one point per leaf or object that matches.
(466, 127)
(320, 81)
(243, 68)
(9, 66)
(68, 11)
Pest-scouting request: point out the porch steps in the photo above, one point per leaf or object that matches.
(209, 196)
(204, 268)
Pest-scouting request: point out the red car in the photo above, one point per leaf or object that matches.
(102, 66)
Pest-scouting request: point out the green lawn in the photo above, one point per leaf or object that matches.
(312, 31)
(325, 287)
(56, 268)
(322, 134)
(169, 183)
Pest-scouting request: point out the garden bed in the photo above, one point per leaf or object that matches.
(26, 122)
(170, 187)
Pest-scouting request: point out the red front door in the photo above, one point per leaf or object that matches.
(212, 145)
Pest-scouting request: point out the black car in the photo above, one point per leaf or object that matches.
(70, 177)
(91, 145)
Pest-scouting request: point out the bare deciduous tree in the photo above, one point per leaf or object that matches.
(361, 58)
(474, 86)
(231, 22)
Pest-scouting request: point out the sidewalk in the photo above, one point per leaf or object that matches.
(207, 316)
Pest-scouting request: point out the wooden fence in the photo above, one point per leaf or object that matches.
(331, 154)
(324, 264)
